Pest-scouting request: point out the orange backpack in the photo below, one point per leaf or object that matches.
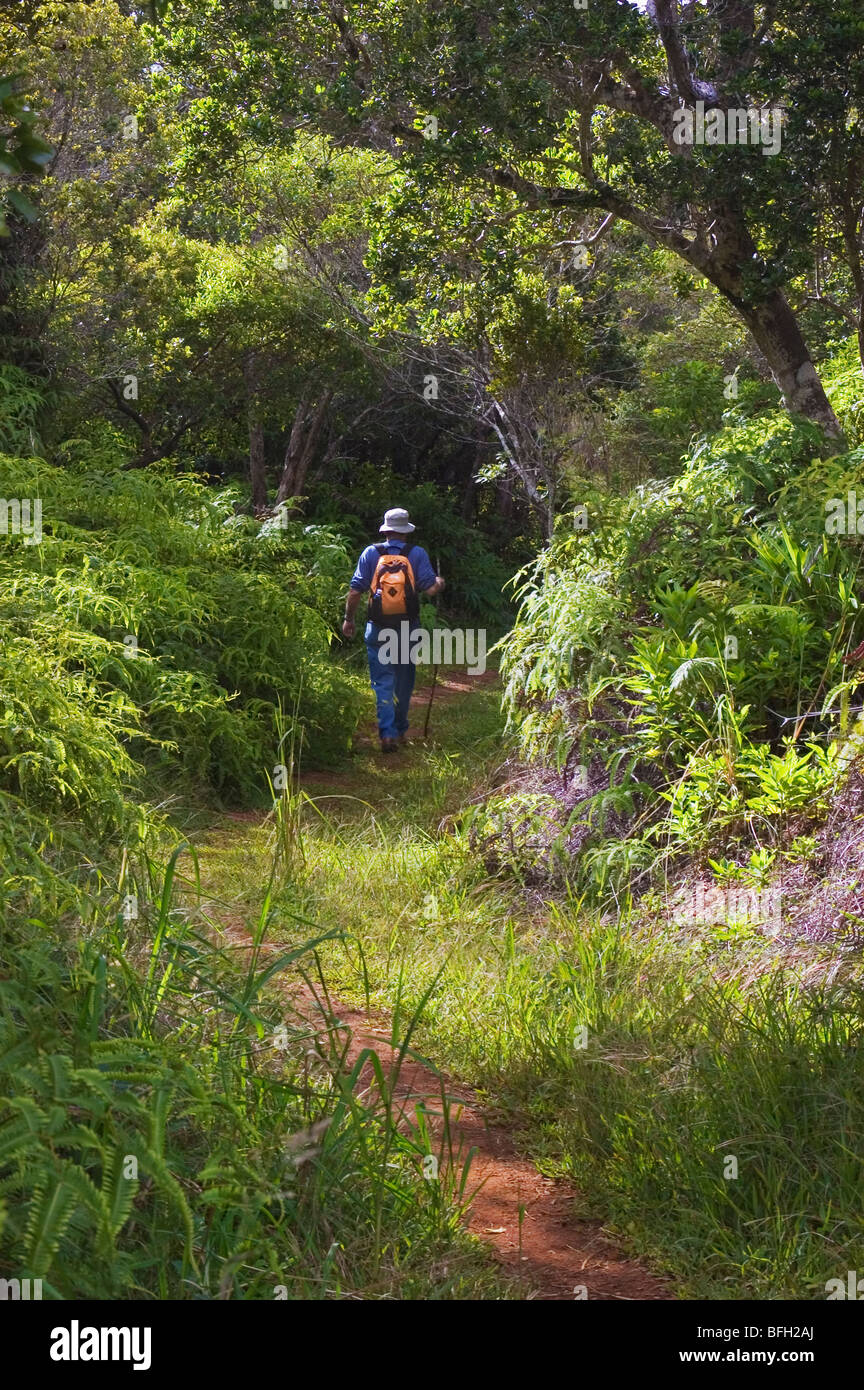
(394, 588)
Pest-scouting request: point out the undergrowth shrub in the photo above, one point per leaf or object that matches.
(692, 639)
(154, 627)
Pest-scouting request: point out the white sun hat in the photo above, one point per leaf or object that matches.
(397, 520)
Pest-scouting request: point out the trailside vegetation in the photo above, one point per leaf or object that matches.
(265, 272)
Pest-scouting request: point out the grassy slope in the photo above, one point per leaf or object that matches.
(685, 1067)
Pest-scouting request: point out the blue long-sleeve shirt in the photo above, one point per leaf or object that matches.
(424, 575)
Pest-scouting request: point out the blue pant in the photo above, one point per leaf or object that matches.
(393, 685)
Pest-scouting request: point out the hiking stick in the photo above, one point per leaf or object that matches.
(434, 672)
(431, 698)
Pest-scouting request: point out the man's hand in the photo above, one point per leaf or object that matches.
(351, 605)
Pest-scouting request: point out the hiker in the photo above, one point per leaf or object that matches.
(397, 573)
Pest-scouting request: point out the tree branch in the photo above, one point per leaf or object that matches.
(129, 411)
(687, 84)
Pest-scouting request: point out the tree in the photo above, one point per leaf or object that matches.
(566, 109)
(821, 59)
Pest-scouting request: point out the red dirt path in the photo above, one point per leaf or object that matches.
(555, 1255)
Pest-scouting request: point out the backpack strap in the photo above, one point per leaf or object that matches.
(381, 546)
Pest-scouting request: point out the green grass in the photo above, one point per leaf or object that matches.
(686, 1064)
(171, 1128)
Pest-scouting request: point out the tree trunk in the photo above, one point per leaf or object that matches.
(336, 442)
(305, 434)
(469, 500)
(776, 333)
(767, 314)
(504, 497)
(257, 463)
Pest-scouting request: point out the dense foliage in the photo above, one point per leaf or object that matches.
(691, 641)
(266, 271)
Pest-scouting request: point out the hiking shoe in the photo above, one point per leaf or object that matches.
(389, 745)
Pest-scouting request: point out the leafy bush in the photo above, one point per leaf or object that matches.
(21, 403)
(694, 636)
(153, 1141)
(153, 626)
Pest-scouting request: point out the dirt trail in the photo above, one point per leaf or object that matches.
(527, 1219)
(557, 1256)
(446, 688)
(524, 1216)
